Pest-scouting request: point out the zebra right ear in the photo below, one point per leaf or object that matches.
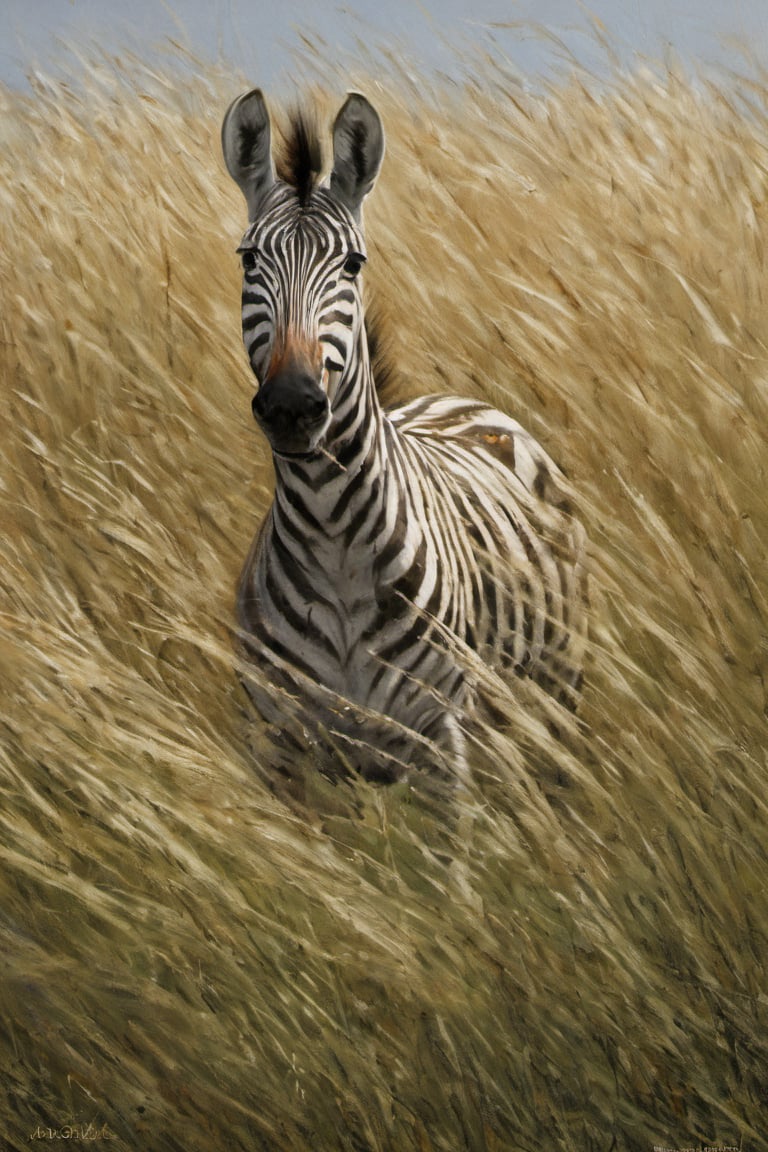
(246, 143)
(358, 149)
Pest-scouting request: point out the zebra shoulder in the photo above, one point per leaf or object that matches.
(491, 434)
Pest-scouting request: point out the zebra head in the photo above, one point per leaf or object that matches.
(301, 254)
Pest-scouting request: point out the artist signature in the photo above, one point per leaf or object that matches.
(85, 1133)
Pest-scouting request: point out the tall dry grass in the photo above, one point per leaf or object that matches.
(199, 965)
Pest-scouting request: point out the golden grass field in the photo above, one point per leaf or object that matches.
(194, 962)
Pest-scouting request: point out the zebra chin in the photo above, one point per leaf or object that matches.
(295, 442)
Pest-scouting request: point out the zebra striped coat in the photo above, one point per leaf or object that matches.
(399, 542)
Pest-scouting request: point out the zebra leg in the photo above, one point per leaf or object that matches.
(452, 743)
(445, 734)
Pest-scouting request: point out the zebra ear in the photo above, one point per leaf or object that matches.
(358, 149)
(246, 143)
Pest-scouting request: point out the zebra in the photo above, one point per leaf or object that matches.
(403, 544)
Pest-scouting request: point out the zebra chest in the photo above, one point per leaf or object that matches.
(324, 617)
(344, 622)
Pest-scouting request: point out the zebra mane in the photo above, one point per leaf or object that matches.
(301, 159)
(382, 362)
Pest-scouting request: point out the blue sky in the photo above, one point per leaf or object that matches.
(259, 37)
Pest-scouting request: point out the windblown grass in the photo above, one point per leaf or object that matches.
(200, 966)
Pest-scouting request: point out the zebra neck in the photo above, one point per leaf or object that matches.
(357, 417)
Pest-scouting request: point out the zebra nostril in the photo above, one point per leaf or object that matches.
(289, 399)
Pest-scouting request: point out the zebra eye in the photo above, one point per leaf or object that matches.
(248, 258)
(353, 263)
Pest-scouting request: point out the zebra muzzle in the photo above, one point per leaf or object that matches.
(292, 410)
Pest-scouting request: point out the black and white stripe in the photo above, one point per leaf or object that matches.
(399, 543)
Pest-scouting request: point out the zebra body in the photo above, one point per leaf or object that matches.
(399, 544)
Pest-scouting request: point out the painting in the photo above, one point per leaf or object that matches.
(211, 941)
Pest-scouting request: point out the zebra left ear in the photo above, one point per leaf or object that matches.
(246, 143)
(358, 149)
